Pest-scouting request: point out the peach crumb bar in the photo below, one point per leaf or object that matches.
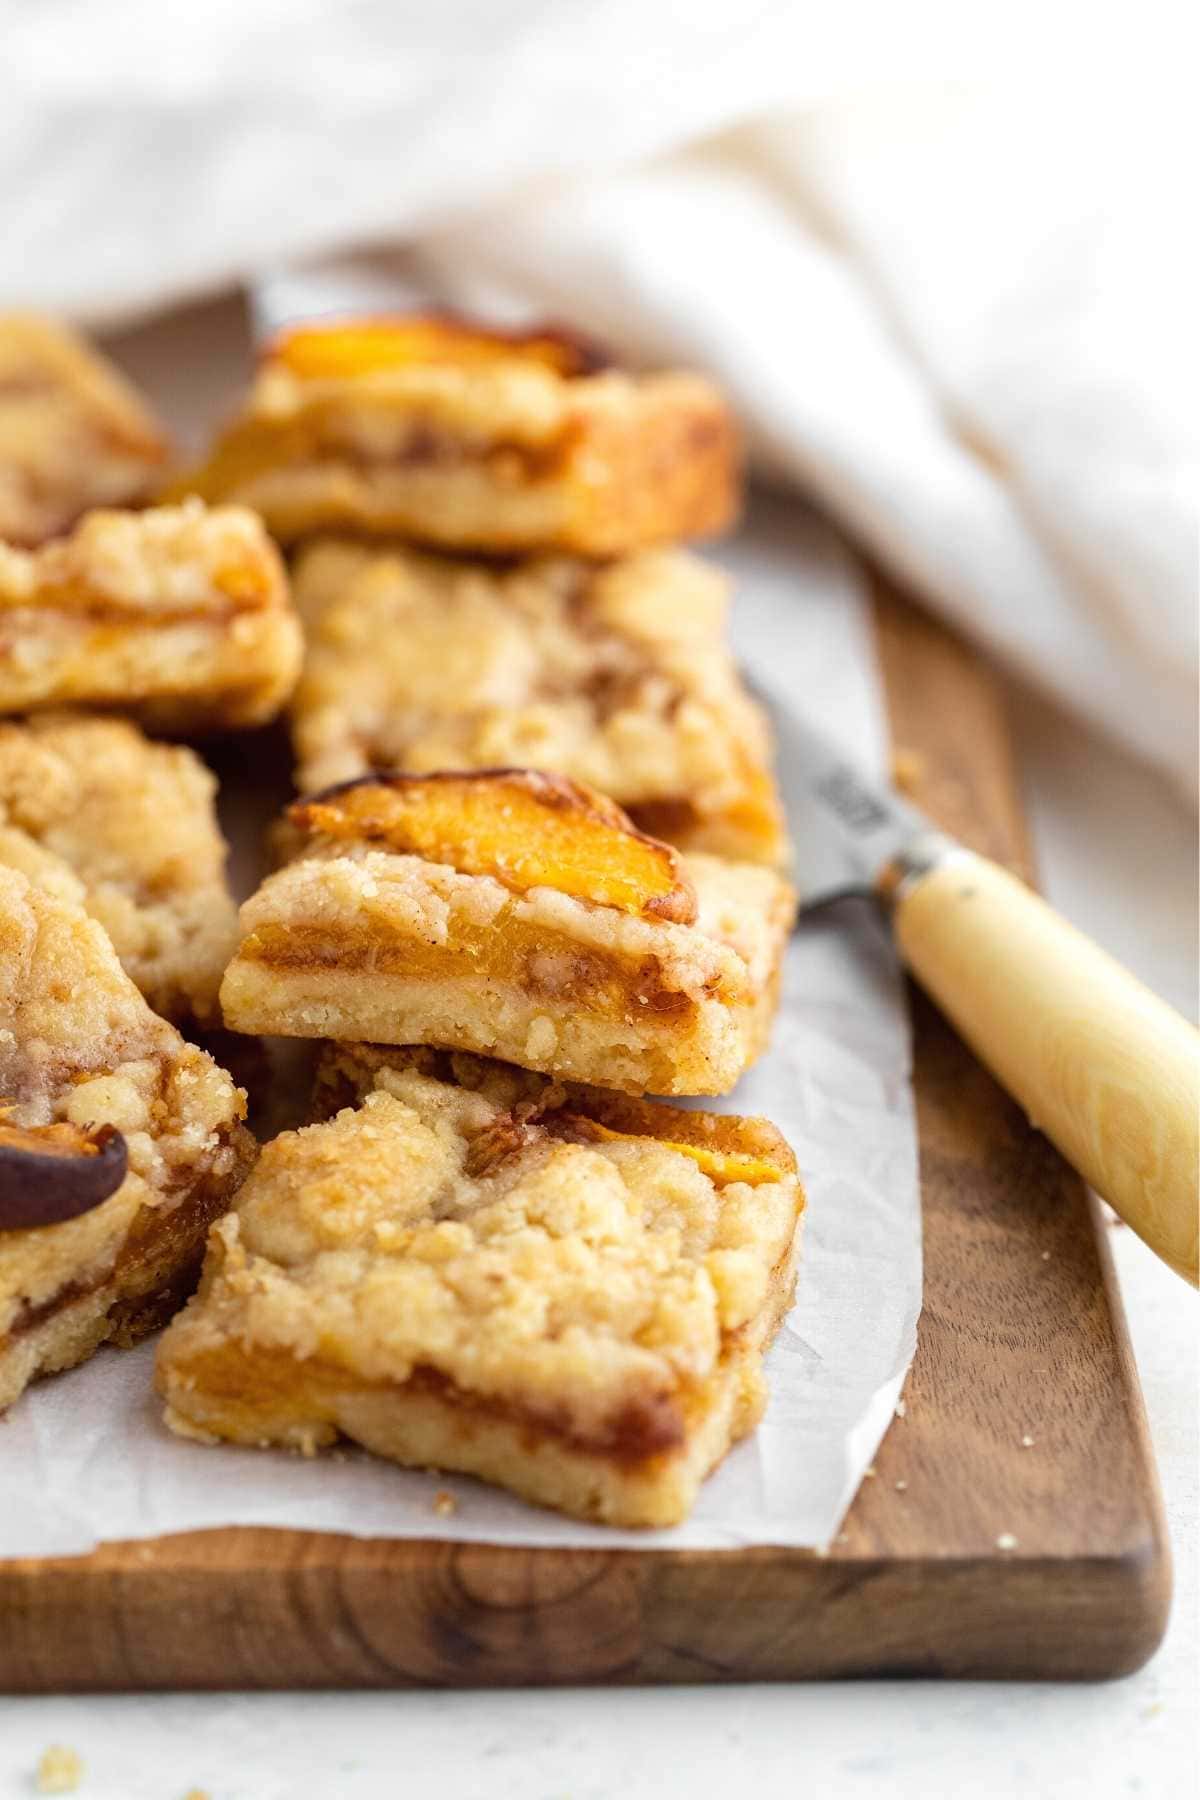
(73, 433)
(180, 615)
(519, 915)
(561, 1291)
(119, 1143)
(469, 439)
(615, 674)
(128, 828)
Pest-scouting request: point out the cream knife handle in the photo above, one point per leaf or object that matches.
(1107, 1070)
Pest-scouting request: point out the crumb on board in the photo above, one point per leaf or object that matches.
(902, 1487)
(59, 1770)
(901, 1408)
(1045, 1256)
(444, 1504)
(1027, 1442)
(1006, 1541)
(909, 768)
(869, 1472)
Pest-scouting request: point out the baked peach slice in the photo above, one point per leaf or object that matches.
(723, 1147)
(343, 348)
(524, 828)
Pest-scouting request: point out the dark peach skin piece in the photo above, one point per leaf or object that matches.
(56, 1172)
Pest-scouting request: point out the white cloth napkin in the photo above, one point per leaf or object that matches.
(958, 315)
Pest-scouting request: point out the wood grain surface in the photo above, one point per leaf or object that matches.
(969, 1552)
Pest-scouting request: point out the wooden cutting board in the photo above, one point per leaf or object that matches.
(1012, 1526)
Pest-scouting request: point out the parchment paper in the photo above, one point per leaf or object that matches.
(84, 1456)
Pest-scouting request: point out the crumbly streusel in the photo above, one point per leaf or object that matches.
(617, 675)
(179, 614)
(135, 822)
(457, 1273)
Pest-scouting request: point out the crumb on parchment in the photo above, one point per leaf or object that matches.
(444, 1504)
(909, 768)
(59, 1770)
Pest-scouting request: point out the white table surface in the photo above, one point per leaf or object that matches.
(1118, 854)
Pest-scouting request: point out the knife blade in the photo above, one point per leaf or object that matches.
(850, 834)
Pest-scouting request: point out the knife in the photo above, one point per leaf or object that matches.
(1108, 1071)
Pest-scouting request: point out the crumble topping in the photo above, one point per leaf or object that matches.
(616, 675)
(93, 810)
(584, 1282)
(169, 559)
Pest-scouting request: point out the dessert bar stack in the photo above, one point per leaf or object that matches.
(483, 530)
(120, 1141)
(532, 878)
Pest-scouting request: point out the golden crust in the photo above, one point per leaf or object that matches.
(78, 1044)
(449, 1276)
(617, 676)
(359, 943)
(90, 807)
(467, 439)
(73, 433)
(179, 614)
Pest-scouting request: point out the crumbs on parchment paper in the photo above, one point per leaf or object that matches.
(444, 1504)
(59, 1770)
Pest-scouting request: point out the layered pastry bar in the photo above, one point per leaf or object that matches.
(73, 433)
(119, 1143)
(518, 915)
(179, 614)
(564, 1292)
(469, 439)
(127, 828)
(617, 675)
